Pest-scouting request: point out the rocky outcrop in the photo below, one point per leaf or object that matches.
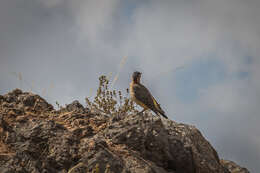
(233, 167)
(35, 138)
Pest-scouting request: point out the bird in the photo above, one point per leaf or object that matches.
(142, 96)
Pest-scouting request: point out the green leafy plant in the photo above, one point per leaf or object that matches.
(111, 101)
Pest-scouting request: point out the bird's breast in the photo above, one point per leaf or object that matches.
(132, 94)
(133, 97)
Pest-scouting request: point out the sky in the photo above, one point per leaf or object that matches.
(199, 58)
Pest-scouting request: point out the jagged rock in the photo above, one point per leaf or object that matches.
(1, 98)
(79, 168)
(233, 167)
(103, 158)
(17, 92)
(75, 106)
(19, 100)
(39, 145)
(172, 146)
(40, 140)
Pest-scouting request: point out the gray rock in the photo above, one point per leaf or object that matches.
(19, 100)
(233, 167)
(79, 168)
(75, 106)
(1, 98)
(40, 140)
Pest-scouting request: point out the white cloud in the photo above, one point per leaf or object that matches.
(169, 34)
(94, 18)
(228, 98)
(51, 3)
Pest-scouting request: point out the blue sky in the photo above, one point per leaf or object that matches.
(196, 76)
(200, 59)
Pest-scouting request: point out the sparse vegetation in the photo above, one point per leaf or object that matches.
(111, 102)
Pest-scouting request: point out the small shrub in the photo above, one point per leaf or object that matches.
(111, 101)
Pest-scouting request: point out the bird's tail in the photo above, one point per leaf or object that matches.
(162, 113)
(158, 108)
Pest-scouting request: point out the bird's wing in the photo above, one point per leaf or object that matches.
(157, 105)
(142, 94)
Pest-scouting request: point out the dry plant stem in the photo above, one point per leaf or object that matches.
(111, 102)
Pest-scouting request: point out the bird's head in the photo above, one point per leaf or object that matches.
(136, 77)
